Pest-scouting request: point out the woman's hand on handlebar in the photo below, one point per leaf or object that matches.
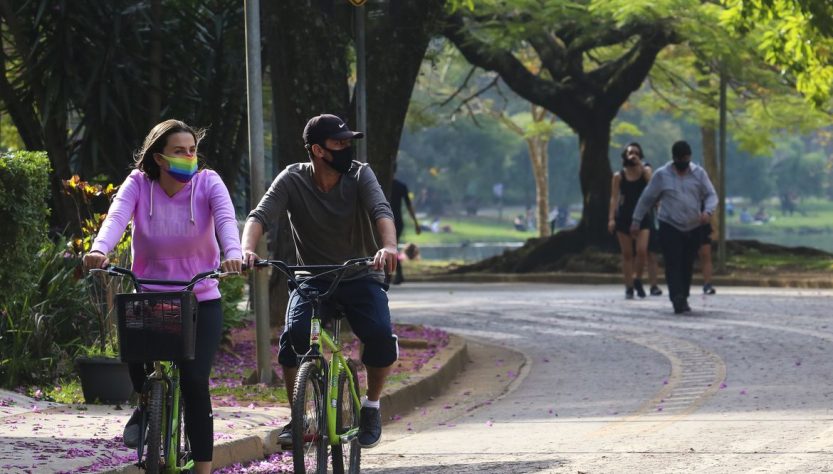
(232, 265)
(386, 258)
(95, 259)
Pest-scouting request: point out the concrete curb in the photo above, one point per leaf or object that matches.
(450, 361)
(772, 281)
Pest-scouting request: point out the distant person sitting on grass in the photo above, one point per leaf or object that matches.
(745, 217)
(411, 251)
(761, 216)
(519, 223)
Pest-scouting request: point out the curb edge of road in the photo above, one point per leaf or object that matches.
(786, 281)
(450, 360)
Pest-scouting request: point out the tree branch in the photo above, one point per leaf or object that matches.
(556, 97)
(459, 89)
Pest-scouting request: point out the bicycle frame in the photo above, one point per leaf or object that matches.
(320, 337)
(338, 365)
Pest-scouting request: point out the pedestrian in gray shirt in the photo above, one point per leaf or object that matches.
(688, 201)
(333, 204)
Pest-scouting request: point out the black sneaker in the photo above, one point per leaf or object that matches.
(628, 293)
(655, 291)
(640, 290)
(131, 430)
(370, 427)
(681, 305)
(285, 436)
(708, 289)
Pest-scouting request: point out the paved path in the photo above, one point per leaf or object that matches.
(742, 384)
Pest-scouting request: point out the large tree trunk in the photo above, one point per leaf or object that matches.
(595, 176)
(306, 55)
(396, 43)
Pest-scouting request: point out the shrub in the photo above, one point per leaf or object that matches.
(41, 326)
(232, 289)
(24, 190)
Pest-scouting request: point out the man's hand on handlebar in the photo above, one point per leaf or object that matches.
(386, 258)
(249, 259)
(95, 259)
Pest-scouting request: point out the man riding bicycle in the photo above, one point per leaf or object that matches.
(332, 203)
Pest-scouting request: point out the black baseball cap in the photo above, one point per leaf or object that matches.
(324, 126)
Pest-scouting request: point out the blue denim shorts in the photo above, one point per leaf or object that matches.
(365, 301)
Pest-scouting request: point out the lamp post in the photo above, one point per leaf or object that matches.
(359, 15)
(254, 90)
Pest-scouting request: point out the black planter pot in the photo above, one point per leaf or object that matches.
(104, 379)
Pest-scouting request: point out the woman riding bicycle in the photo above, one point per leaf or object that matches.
(178, 214)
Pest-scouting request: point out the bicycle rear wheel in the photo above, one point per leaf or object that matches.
(156, 435)
(309, 440)
(347, 456)
(182, 443)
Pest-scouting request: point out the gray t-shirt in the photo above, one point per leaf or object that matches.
(327, 228)
(683, 197)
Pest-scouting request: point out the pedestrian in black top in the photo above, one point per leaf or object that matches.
(399, 193)
(685, 189)
(626, 187)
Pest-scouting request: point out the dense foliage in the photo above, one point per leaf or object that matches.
(24, 190)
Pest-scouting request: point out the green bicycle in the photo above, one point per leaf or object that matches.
(325, 401)
(160, 328)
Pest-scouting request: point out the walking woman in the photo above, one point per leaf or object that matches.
(626, 187)
(178, 214)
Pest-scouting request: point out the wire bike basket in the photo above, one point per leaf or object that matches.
(156, 326)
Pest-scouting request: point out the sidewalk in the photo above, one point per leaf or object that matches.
(43, 437)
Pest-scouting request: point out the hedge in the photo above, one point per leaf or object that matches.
(24, 190)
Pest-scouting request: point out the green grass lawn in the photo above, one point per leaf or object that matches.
(813, 213)
(467, 229)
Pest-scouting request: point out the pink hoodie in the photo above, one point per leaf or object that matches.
(174, 237)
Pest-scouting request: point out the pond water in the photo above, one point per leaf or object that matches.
(467, 252)
(474, 251)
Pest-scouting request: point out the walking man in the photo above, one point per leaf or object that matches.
(683, 188)
(398, 194)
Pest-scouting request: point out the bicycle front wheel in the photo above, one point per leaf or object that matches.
(347, 456)
(309, 440)
(156, 435)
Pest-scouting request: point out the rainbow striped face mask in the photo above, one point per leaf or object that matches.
(182, 168)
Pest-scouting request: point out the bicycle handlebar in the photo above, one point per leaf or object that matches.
(113, 270)
(318, 270)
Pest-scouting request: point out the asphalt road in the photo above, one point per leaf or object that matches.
(598, 384)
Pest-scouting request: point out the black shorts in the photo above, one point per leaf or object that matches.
(623, 224)
(705, 234)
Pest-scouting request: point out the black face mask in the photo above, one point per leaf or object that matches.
(342, 159)
(628, 162)
(681, 165)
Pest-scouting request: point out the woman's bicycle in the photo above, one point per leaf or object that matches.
(159, 328)
(325, 401)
